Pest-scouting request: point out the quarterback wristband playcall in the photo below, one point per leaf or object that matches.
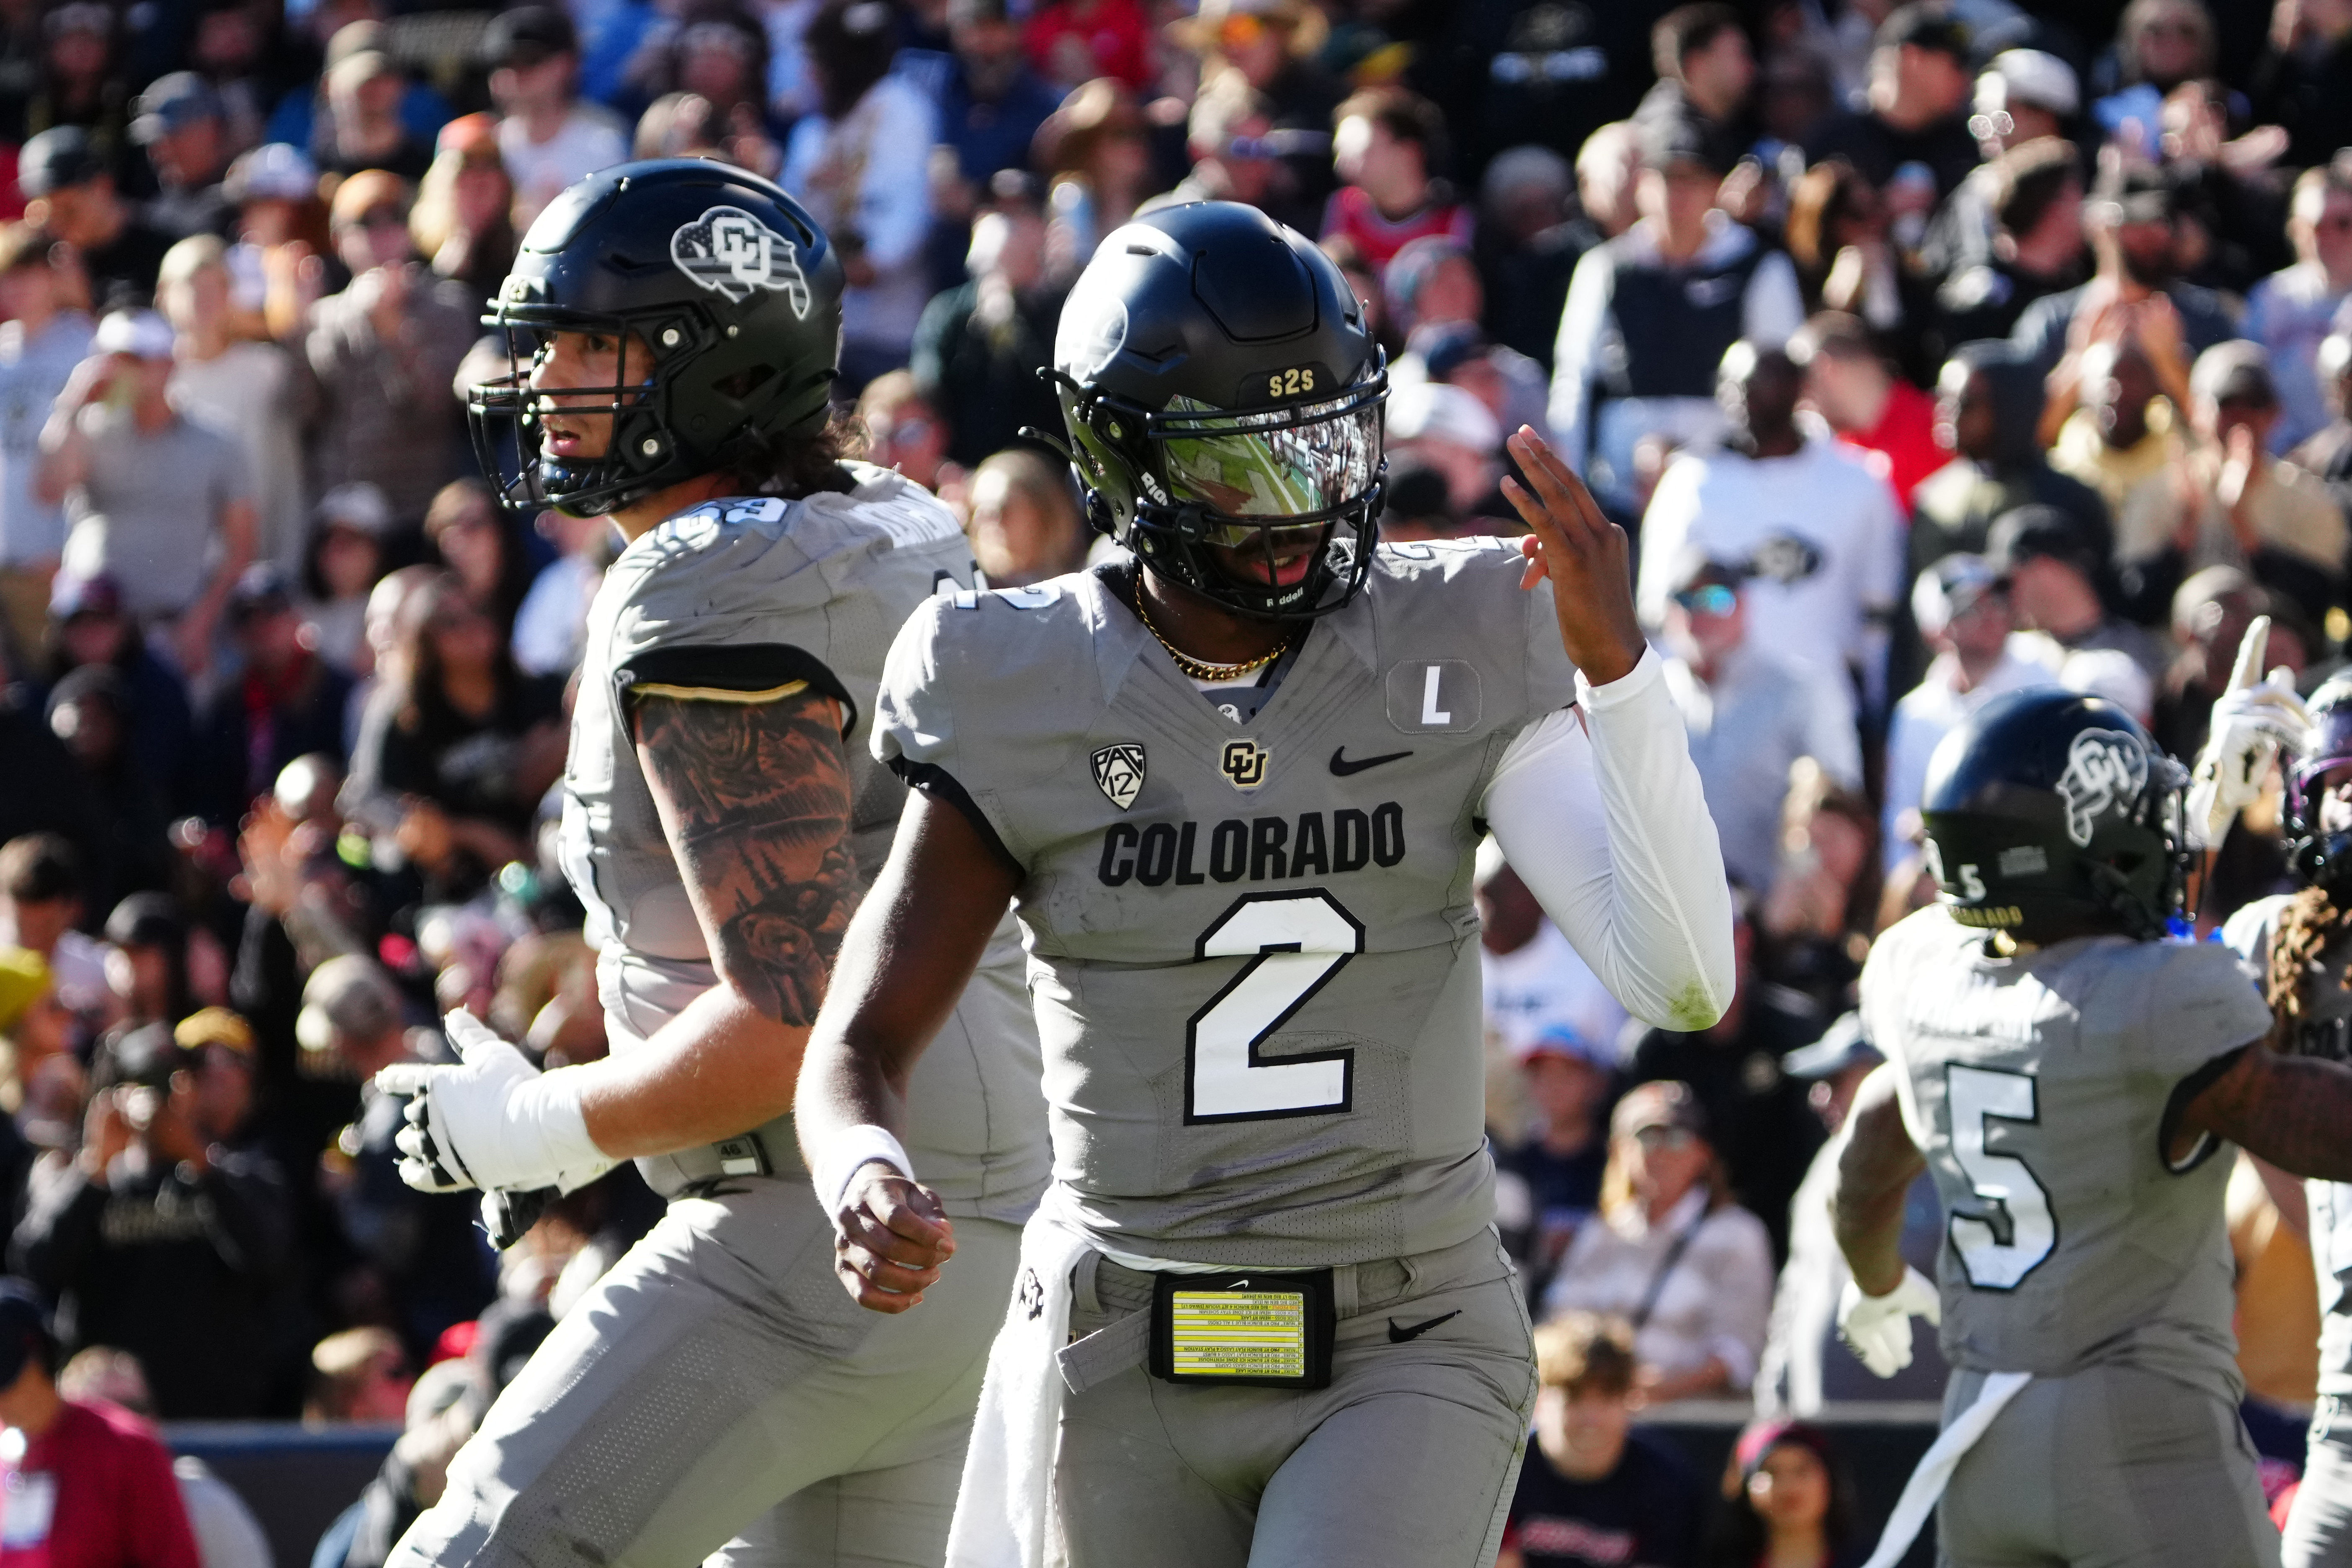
(850, 1149)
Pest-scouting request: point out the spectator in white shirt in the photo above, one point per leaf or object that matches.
(550, 628)
(2291, 311)
(1821, 535)
(41, 341)
(549, 138)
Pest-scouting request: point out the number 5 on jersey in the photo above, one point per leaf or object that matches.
(1295, 942)
(2016, 1201)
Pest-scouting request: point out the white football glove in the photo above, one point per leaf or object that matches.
(2252, 726)
(1878, 1328)
(493, 1122)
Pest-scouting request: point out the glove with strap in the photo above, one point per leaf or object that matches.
(492, 1120)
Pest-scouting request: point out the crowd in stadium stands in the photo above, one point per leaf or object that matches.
(1928, 353)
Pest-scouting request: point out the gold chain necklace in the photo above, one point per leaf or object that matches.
(1200, 670)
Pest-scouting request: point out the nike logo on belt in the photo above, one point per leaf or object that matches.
(1341, 767)
(1398, 1336)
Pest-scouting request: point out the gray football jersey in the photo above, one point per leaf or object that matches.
(2037, 1086)
(755, 593)
(1252, 946)
(2326, 1033)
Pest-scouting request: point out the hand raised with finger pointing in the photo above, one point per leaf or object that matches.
(1585, 555)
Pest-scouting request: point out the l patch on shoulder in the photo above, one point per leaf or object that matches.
(1118, 772)
(734, 255)
(1434, 696)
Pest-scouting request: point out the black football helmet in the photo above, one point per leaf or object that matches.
(732, 286)
(2321, 858)
(1221, 387)
(2050, 814)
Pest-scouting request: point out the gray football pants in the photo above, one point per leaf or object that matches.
(2319, 1524)
(2111, 1467)
(718, 1395)
(1407, 1460)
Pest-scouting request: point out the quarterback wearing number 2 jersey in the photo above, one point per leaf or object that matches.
(1234, 786)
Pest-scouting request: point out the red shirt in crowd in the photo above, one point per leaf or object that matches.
(1905, 437)
(1350, 211)
(95, 1490)
(1115, 34)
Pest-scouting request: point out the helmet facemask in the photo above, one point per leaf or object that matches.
(2321, 857)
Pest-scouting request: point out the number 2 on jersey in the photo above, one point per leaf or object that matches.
(1295, 942)
(2019, 1203)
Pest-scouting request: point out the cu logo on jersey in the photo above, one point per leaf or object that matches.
(1244, 765)
(1118, 772)
(2106, 771)
(734, 255)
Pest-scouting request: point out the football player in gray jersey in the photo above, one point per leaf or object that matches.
(2066, 1074)
(1235, 786)
(714, 1397)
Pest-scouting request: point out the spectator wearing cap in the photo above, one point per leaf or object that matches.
(155, 1238)
(2023, 95)
(284, 702)
(1706, 74)
(156, 501)
(1457, 353)
(151, 983)
(1871, 409)
(220, 1049)
(1675, 1255)
(94, 1475)
(2032, 201)
(1749, 711)
(978, 349)
(860, 163)
(88, 625)
(44, 337)
(385, 353)
(991, 100)
(1449, 429)
(1529, 238)
(37, 1028)
(1916, 106)
(1651, 314)
(1387, 147)
(549, 138)
(2055, 570)
(340, 566)
(242, 388)
(2227, 501)
(71, 192)
(463, 222)
(2291, 311)
(180, 121)
(1821, 535)
(423, 1251)
(2126, 431)
(1788, 1500)
(1548, 1185)
(1960, 606)
(362, 127)
(276, 189)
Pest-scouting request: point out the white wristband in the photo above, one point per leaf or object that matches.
(845, 1152)
(546, 1110)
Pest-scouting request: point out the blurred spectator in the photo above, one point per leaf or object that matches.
(275, 266)
(81, 78)
(1704, 75)
(385, 352)
(221, 1047)
(1387, 147)
(44, 337)
(1229, 137)
(1651, 314)
(360, 1375)
(240, 388)
(551, 627)
(90, 711)
(463, 222)
(184, 126)
(2304, 82)
(1097, 155)
(1792, 1503)
(1533, 981)
(1447, 429)
(443, 1408)
(1749, 711)
(469, 535)
(1074, 41)
(1457, 353)
(1960, 606)
(89, 624)
(2133, 221)
(2053, 569)
(284, 702)
(34, 1028)
(228, 1535)
(1988, 403)
(1813, 925)
(2209, 615)
(1594, 1490)
(1762, 1127)
(155, 1238)
(978, 349)
(363, 127)
(1607, 178)
(41, 907)
(2277, 1318)
(457, 745)
(147, 970)
(2023, 95)
(1838, 238)
(149, 493)
(903, 429)
(1873, 410)
(2227, 501)
(2289, 312)
(1915, 112)
(70, 192)
(1528, 243)
(2035, 201)
(992, 102)
(93, 1475)
(1689, 1268)
(2327, 453)
(860, 165)
(1820, 535)
(1549, 1185)
(548, 137)
(2124, 432)
(339, 567)
(2159, 45)
(1025, 525)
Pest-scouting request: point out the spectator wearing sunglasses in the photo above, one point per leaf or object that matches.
(2291, 311)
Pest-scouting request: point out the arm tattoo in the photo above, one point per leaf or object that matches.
(2291, 1111)
(756, 798)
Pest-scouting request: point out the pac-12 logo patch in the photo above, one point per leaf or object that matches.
(1243, 764)
(2107, 770)
(1118, 772)
(734, 255)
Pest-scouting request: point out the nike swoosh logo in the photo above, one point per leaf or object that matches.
(1398, 1336)
(1341, 767)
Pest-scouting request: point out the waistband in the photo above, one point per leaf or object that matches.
(770, 1150)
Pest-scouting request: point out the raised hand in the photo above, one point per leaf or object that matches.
(1585, 555)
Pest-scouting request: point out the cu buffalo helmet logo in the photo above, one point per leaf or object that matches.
(734, 255)
(2107, 770)
(1118, 772)
(1243, 764)
(1031, 1294)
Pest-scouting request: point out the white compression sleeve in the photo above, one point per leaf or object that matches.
(1601, 815)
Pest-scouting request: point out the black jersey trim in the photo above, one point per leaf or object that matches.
(942, 786)
(739, 671)
(2187, 1089)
